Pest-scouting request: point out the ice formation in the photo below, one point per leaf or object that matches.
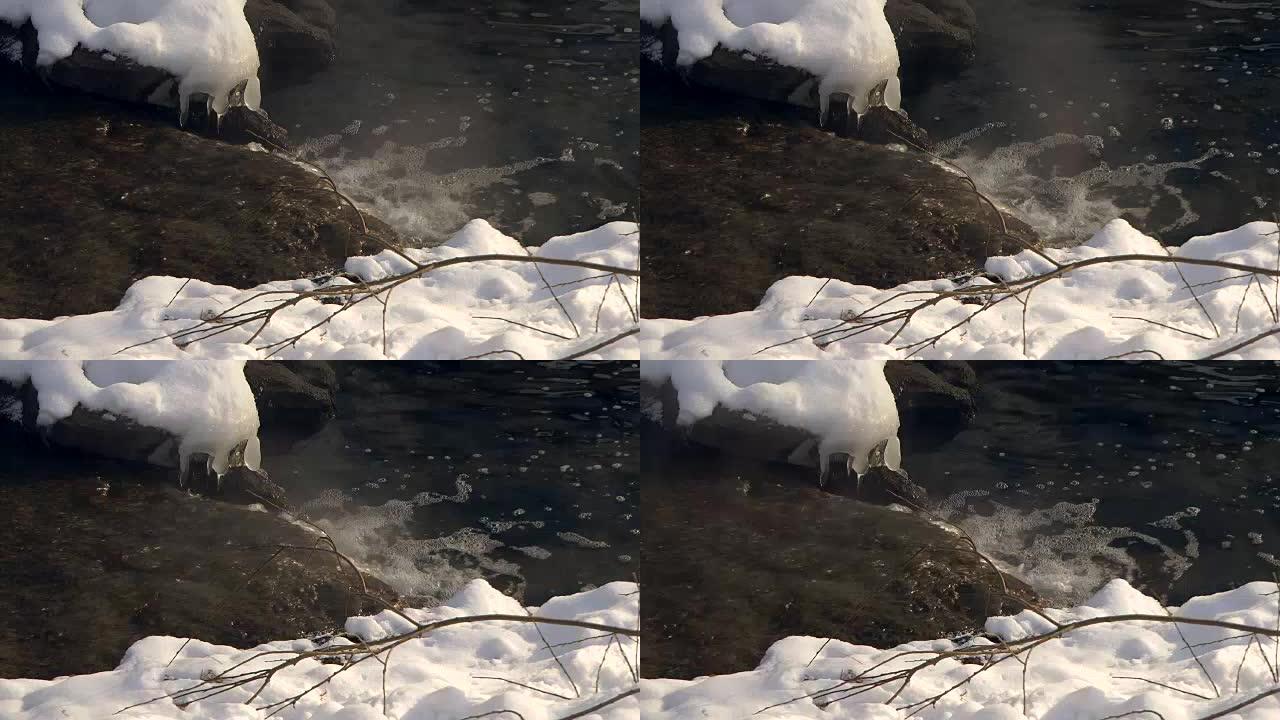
(1130, 669)
(1136, 309)
(468, 669)
(501, 310)
(208, 406)
(847, 44)
(847, 405)
(206, 44)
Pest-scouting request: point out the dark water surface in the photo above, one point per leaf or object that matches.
(1163, 112)
(435, 473)
(520, 112)
(1165, 473)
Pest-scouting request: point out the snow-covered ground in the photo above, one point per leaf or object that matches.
(1109, 670)
(463, 670)
(847, 405)
(1135, 309)
(207, 406)
(847, 44)
(206, 44)
(493, 309)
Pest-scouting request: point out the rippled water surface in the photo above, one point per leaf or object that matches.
(1078, 112)
(523, 113)
(435, 473)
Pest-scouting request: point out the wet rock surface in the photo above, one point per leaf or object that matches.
(97, 196)
(743, 557)
(936, 400)
(296, 38)
(92, 567)
(738, 201)
(935, 39)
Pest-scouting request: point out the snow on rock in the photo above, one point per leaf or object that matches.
(447, 313)
(208, 406)
(1087, 674)
(444, 675)
(847, 405)
(1134, 309)
(206, 44)
(847, 44)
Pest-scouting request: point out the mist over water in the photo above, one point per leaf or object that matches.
(519, 112)
(1161, 473)
(1076, 113)
(434, 474)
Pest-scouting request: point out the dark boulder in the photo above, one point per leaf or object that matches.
(743, 558)
(935, 39)
(936, 400)
(93, 563)
(879, 484)
(296, 39)
(293, 398)
(97, 196)
(730, 207)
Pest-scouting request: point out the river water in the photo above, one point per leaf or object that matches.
(523, 113)
(1077, 112)
(432, 474)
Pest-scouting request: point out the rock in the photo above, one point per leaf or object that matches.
(740, 434)
(93, 562)
(743, 558)
(98, 196)
(731, 207)
(297, 398)
(879, 485)
(882, 126)
(935, 39)
(936, 400)
(296, 39)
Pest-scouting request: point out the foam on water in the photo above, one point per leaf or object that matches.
(1067, 209)
(1060, 550)
(399, 183)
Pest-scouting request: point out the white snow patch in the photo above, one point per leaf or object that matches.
(1086, 314)
(207, 44)
(847, 405)
(1085, 674)
(444, 675)
(847, 44)
(444, 314)
(208, 406)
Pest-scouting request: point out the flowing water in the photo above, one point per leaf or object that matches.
(1075, 113)
(519, 112)
(435, 473)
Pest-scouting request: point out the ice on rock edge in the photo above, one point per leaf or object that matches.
(442, 675)
(848, 406)
(206, 44)
(208, 406)
(847, 44)
(1107, 670)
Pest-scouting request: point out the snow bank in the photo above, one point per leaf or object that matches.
(1088, 314)
(847, 44)
(448, 674)
(847, 405)
(207, 44)
(445, 314)
(208, 406)
(1087, 674)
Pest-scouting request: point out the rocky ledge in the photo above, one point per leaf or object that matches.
(743, 557)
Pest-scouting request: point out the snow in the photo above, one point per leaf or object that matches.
(444, 675)
(208, 406)
(207, 44)
(1084, 675)
(1087, 314)
(847, 44)
(444, 314)
(847, 405)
